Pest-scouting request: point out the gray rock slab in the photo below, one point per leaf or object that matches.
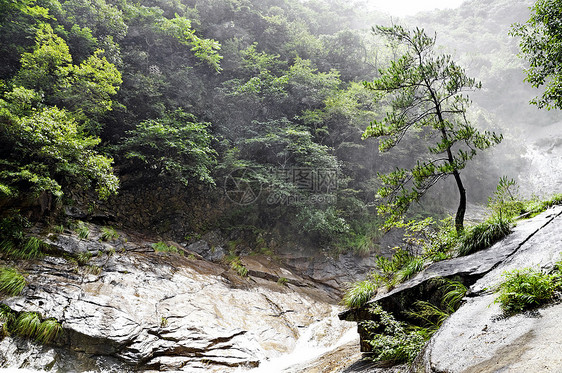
(479, 338)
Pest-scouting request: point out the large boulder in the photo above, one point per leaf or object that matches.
(476, 336)
(479, 338)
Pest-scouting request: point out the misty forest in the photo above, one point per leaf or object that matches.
(279, 186)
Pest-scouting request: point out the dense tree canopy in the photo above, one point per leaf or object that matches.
(186, 93)
(542, 47)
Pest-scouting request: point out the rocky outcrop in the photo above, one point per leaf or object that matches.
(130, 308)
(477, 338)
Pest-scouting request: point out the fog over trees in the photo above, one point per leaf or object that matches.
(265, 95)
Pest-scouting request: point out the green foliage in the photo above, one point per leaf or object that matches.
(526, 288)
(238, 267)
(283, 281)
(30, 325)
(432, 316)
(27, 324)
(541, 45)
(48, 331)
(175, 146)
(83, 230)
(14, 243)
(204, 49)
(483, 235)
(83, 257)
(27, 248)
(359, 293)
(109, 234)
(47, 148)
(236, 264)
(162, 247)
(11, 281)
(391, 340)
(506, 203)
(425, 92)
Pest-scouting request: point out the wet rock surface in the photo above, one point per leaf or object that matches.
(130, 308)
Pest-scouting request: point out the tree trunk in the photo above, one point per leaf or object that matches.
(459, 218)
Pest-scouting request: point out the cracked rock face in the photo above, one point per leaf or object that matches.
(478, 338)
(143, 310)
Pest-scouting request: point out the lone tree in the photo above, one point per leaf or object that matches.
(425, 94)
(541, 45)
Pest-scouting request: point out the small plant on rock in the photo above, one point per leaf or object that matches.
(82, 230)
(525, 289)
(11, 281)
(109, 234)
(359, 293)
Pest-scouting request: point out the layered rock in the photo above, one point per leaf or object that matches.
(132, 308)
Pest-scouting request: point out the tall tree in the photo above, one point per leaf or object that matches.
(425, 95)
(541, 45)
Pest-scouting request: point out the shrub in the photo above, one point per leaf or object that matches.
(526, 288)
(11, 281)
(391, 340)
(237, 266)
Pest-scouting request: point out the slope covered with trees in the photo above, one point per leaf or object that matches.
(189, 93)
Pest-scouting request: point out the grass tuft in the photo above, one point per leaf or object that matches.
(483, 235)
(48, 331)
(11, 281)
(165, 248)
(82, 230)
(359, 293)
(109, 234)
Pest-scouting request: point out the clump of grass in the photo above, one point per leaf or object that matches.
(282, 281)
(48, 331)
(525, 289)
(165, 248)
(359, 293)
(82, 230)
(26, 248)
(431, 316)
(93, 269)
(11, 281)
(483, 235)
(109, 234)
(84, 257)
(29, 325)
(410, 268)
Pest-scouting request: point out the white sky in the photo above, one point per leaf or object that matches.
(410, 7)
